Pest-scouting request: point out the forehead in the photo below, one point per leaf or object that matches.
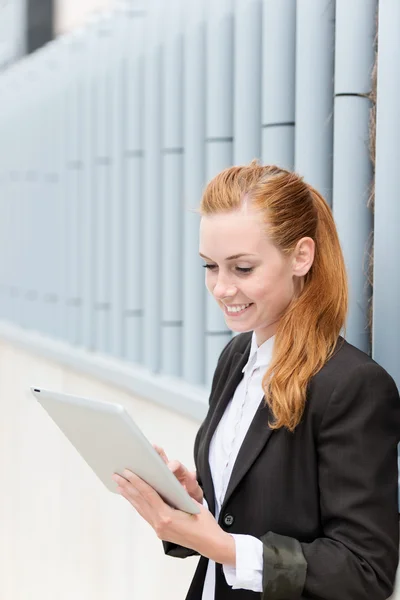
(227, 234)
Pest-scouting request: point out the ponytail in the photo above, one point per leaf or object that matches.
(308, 332)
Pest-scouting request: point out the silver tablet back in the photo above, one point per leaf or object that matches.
(109, 441)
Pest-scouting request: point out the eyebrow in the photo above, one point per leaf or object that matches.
(233, 257)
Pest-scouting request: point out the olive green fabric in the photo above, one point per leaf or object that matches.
(284, 567)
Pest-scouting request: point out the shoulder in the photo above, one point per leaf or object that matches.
(352, 381)
(346, 364)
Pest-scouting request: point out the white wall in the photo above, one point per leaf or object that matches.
(70, 14)
(63, 535)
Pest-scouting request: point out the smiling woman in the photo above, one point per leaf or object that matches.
(297, 457)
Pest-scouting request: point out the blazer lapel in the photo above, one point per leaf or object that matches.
(234, 377)
(255, 440)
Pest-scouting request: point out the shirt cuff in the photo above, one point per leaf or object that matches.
(249, 564)
(205, 503)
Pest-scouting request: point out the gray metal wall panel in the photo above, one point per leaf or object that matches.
(38, 193)
(386, 325)
(194, 178)
(73, 238)
(315, 35)
(352, 175)
(278, 82)
(117, 116)
(219, 139)
(152, 197)
(102, 187)
(57, 182)
(247, 81)
(134, 200)
(172, 209)
(354, 45)
(88, 73)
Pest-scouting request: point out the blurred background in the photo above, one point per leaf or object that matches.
(113, 116)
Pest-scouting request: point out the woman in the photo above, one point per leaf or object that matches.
(296, 460)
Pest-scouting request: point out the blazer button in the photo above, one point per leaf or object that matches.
(228, 520)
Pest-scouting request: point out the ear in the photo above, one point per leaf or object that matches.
(303, 256)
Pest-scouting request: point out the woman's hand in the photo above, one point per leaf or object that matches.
(198, 532)
(187, 478)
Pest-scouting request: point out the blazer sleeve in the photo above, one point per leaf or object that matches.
(357, 555)
(174, 549)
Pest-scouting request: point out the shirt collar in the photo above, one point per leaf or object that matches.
(260, 356)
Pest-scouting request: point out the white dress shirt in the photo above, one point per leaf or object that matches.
(224, 448)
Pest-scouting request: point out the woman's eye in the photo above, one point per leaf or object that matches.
(241, 270)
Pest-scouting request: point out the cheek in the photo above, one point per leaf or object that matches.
(209, 280)
(276, 290)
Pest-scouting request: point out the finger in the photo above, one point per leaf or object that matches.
(137, 502)
(178, 469)
(126, 489)
(161, 453)
(123, 492)
(187, 478)
(193, 476)
(119, 480)
(144, 489)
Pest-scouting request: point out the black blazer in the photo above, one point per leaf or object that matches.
(323, 499)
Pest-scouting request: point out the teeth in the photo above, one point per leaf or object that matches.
(235, 309)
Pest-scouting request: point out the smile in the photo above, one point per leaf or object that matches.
(235, 311)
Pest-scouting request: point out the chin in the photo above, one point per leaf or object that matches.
(242, 328)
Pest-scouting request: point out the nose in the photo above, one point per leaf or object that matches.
(223, 288)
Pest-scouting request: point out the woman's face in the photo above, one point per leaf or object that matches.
(252, 281)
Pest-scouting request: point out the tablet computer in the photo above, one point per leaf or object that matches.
(109, 441)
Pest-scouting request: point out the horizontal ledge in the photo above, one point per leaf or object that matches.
(102, 161)
(217, 140)
(169, 392)
(51, 178)
(75, 165)
(171, 323)
(134, 154)
(172, 151)
(31, 295)
(211, 333)
(73, 302)
(102, 306)
(280, 124)
(133, 312)
(51, 298)
(353, 95)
